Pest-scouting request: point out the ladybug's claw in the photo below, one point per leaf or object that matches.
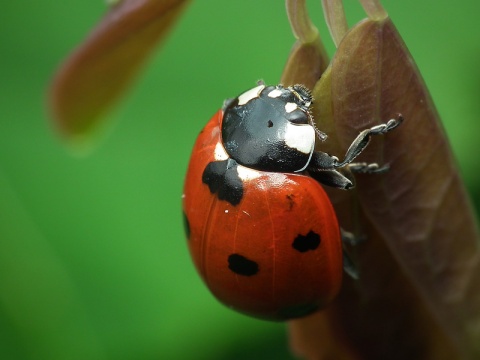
(384, 128)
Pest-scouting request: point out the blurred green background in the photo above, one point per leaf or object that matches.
(93, 262)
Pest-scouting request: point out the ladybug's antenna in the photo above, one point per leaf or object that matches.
(320, 134)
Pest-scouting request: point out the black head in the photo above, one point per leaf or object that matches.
(270, 128)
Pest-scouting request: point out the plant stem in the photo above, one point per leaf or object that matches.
(335, 18)
(374, 9)
(302, 27)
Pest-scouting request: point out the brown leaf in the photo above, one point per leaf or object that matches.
(305, 65)
(100, 69)
(308, 58)
(418, 296)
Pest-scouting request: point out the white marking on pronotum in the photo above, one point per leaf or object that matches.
(250, 94)
(220, 153)
(246, 174)
(300, 137)
(289, 107)
(275, 93)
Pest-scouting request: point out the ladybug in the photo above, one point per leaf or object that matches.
(261, 230)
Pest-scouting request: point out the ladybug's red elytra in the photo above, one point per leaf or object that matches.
(261, 230)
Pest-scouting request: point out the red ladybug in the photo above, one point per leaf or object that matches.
(261, 230)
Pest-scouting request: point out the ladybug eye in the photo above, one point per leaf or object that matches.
(297, 117)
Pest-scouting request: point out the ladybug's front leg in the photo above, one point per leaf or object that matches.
(322, 161)
(368, 168)
(332, 178)
(345, 179)
(363, 139)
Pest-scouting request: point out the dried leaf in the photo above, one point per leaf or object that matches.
(99, 71)
(419, 292)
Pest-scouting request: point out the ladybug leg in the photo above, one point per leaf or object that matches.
(332, 178)
(349, 266)
(322, 161)
(345, 180)
(362, 140)
(368, 168)
(349, 239)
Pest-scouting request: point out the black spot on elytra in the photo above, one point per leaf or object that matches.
(241, 265)
(222, 179)
(186, 225)
(269, 123)
(297, 311)
(303, 243)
